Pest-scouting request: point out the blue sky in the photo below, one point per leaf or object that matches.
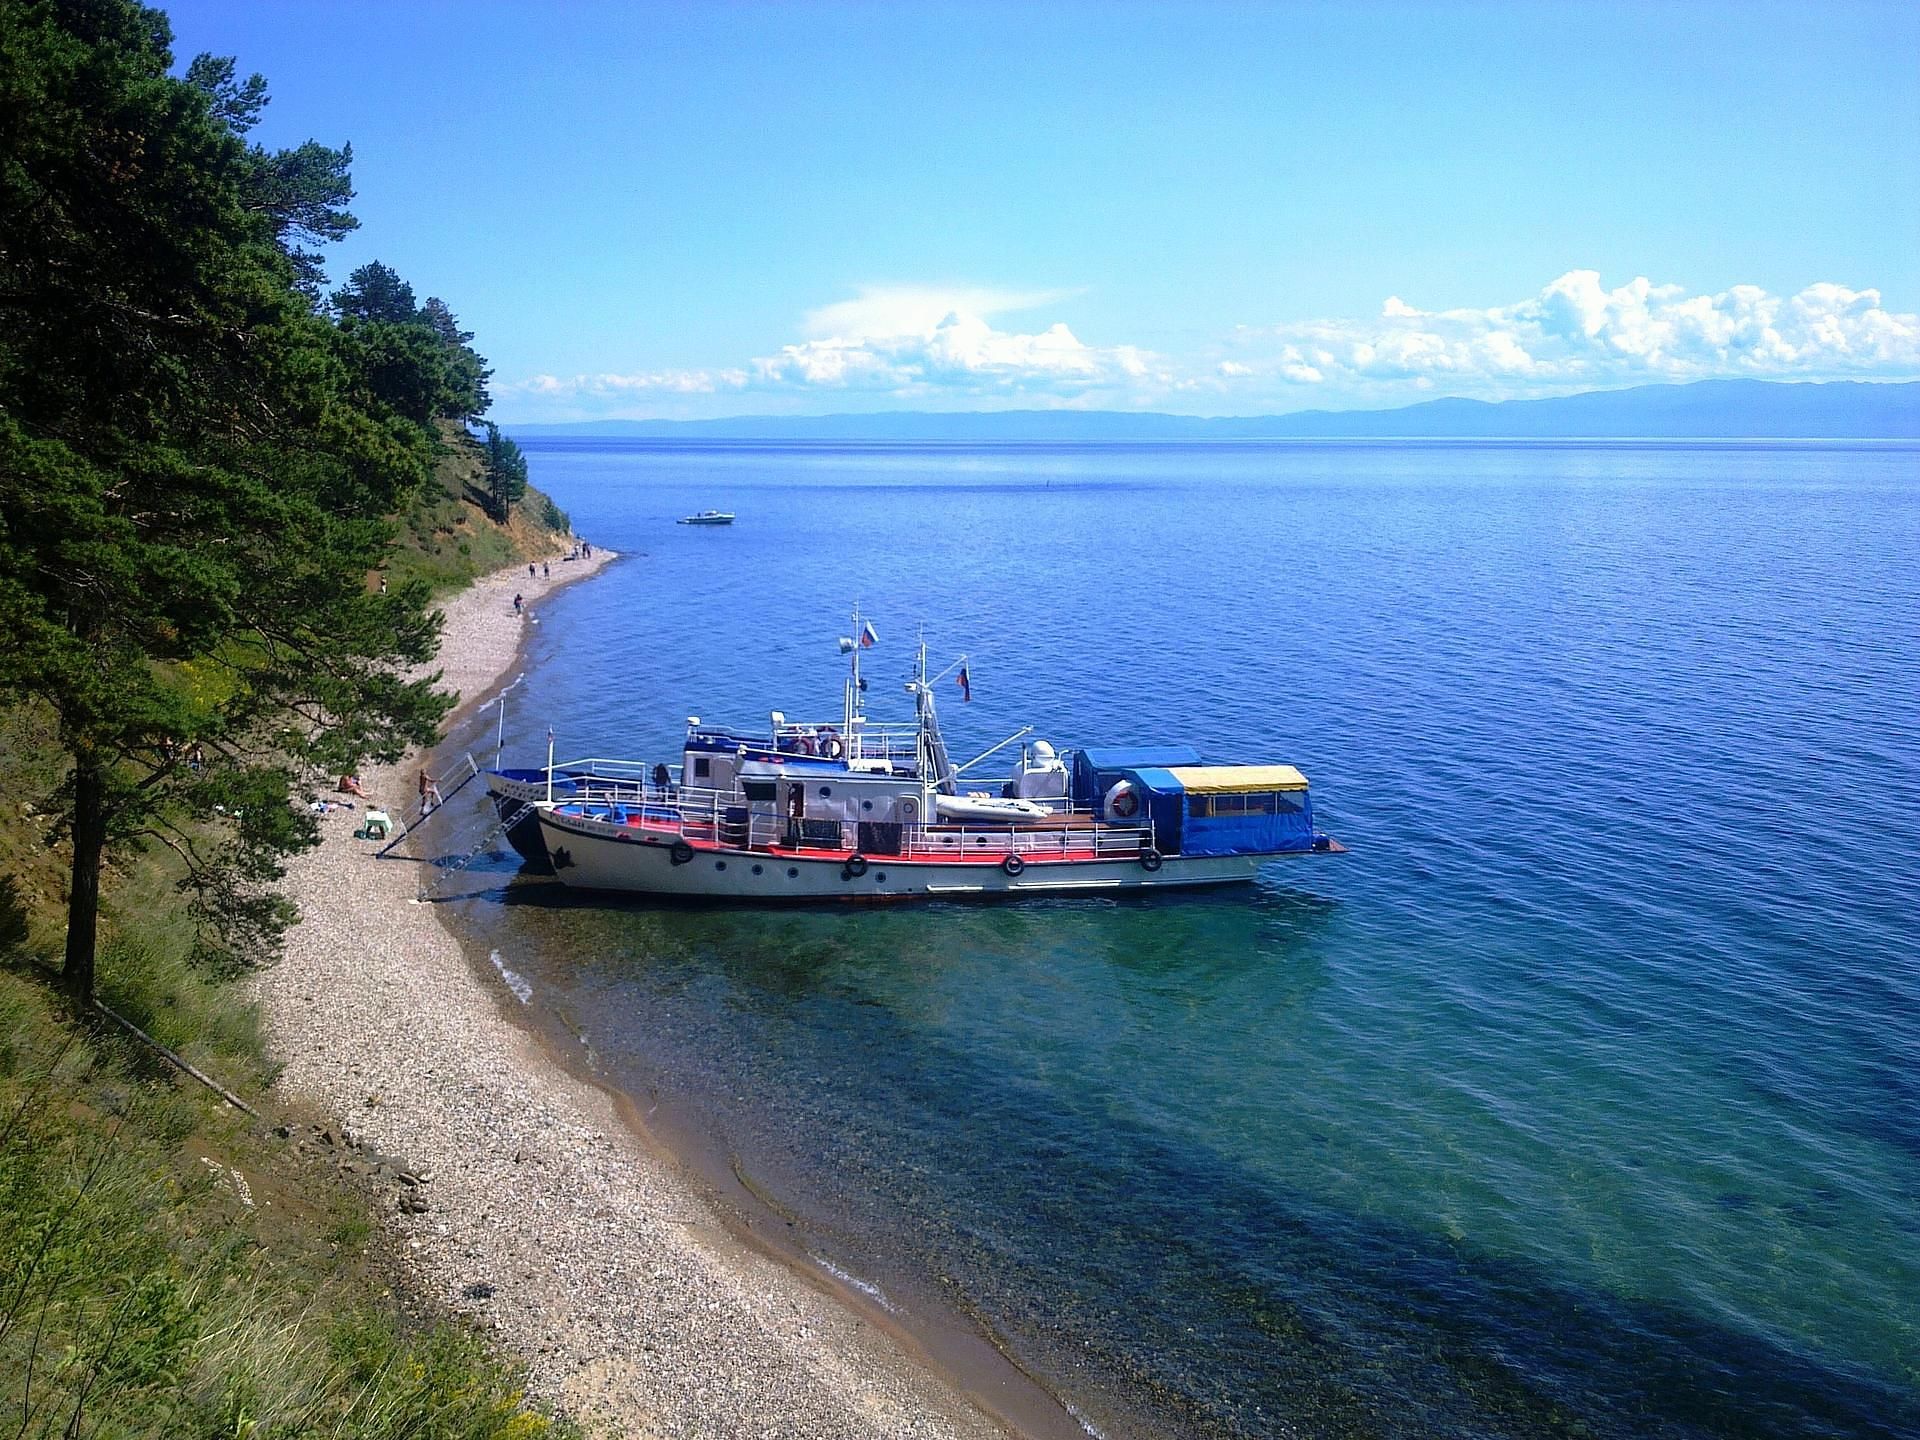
(693, 210)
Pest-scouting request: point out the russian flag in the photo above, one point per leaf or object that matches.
(869, 637)
(966, 685)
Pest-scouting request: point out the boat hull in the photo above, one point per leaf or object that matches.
(592, 855)
(514, 794)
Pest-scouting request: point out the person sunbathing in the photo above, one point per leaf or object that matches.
(350, 784)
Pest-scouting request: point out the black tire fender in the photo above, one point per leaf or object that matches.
(1013, 865)
(856, 866)
(1150, 858)
(681, 853)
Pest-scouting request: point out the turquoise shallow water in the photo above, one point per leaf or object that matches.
(1581, 1098)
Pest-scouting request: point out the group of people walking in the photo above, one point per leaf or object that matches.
(543, 570)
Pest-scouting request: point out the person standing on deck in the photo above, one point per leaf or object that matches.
(796, 812)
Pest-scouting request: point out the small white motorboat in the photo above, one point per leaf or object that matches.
(708, 517)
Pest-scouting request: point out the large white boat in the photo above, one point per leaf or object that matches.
(855, 809)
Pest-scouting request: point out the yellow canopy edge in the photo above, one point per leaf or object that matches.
(1237, 779)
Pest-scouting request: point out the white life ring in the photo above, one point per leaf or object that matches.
(832, 748)
(1123, 801)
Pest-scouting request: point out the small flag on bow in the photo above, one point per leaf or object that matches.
(966, 685)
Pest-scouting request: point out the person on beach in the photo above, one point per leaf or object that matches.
(350, 784)
(516, 602)
(530, 571)
(546, 571)
(429, 794)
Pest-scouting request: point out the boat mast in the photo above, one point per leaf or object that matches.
(935, 767)
(855, 709)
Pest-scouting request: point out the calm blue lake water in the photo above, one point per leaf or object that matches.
(1582, 1097)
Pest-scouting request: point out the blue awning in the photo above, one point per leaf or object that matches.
(1132, 757)
(1159, 780)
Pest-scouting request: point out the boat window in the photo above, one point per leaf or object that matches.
(759, 790)
(1263, 803)
(702, 767)
(826, 791)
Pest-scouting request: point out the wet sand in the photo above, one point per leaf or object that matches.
(596, 1257)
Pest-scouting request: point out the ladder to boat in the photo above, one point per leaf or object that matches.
(509, 816)
(425, 814)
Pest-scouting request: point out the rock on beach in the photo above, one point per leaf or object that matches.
(525, 1202)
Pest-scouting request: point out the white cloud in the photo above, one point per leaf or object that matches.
(655, 382)
(946, 348)
(881, 311)
(912, 342)
(1576, 333)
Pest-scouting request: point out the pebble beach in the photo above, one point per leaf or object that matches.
(538, 1211)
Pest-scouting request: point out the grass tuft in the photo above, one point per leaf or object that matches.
(167, 1270)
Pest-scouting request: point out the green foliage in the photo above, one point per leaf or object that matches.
(194, 466)
(148, 1289)
(375, 293)
(303, 192)
(467, 373)
(553, 517)
(506, 471)
(420, 348)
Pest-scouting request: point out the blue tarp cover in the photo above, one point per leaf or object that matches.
(1271, 824)
(1165, 805)
(1095, 771)
(1132, 757)
(1158, 779)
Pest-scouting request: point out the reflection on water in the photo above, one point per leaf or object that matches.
(1580, 1099)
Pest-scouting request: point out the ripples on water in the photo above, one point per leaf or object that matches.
(1581, 1098)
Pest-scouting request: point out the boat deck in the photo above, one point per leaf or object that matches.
(660, 830)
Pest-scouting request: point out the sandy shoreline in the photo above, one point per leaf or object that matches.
(594, 1258)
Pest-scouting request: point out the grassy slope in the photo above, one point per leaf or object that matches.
(169, 1267)
(449, 539)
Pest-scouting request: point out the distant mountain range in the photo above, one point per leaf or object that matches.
(1708, 409)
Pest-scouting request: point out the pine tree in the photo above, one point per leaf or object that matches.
(506, 472)
(195, 469)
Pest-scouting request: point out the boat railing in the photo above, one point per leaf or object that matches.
(1028, 841)
(717, 817)
(895, 743)
(603, 767)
